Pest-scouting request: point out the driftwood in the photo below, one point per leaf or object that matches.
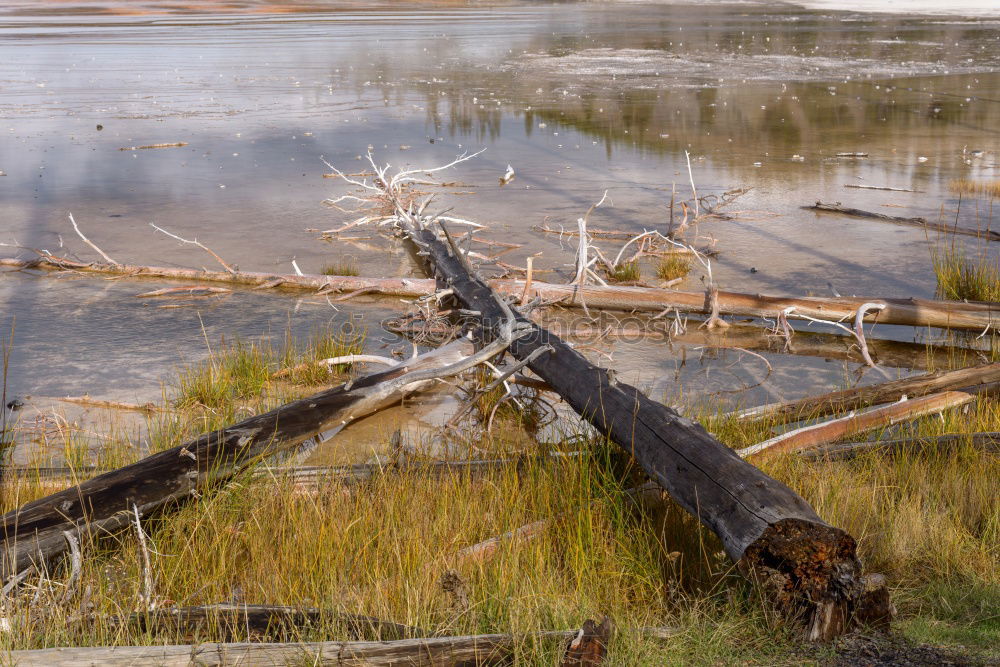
(830, 431)
(984, 442)
(968, 379)
(35, 533)
(906, 311)
(986, 234)
(422, 652)
(770, 531)
(261, 621)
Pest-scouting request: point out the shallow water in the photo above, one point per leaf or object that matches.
(578, 98)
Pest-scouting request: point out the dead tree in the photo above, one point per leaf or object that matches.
(809, 567)
(40, 531)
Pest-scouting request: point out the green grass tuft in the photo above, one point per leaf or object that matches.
(626, 272)
(960, 277)
(341, 268)
(673, 266)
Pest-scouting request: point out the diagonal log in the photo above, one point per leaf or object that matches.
(35, 534)
(772, 533)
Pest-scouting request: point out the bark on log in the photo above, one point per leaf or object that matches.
(769, 530)
(34, 534)
(274, 622)
(986, 234)
(967, 379)
(907, 311)
(830, 431)
(422, 652)
(843, 451)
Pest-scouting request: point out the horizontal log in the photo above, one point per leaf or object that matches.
(423, 652)
(836, 429)
(36, 533)
(905, 311)
(849, 399)
(945, 228)
(842, 451)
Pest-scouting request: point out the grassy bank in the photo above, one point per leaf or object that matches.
(928, 520)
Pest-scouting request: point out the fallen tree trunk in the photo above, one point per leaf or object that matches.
(986, 234)
(36, 533)
(423, 652)
(771, 532)
(968, 379)
(830, 431)
(909, 311)
(271, 621)
(842, 451)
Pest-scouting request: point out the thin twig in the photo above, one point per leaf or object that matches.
(90, 243)
(197, 243)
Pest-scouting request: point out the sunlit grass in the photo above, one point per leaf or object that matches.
(673, 266)
(341, 268)
(966, 186)
(961, 277)
(625, 272)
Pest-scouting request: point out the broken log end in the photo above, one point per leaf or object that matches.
(811, 572)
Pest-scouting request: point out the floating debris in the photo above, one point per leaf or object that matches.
(142, 148)
(853, 155)
(507, 177)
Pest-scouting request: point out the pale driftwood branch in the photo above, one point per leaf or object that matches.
(197, 243)
(849, 399)
(906, 311)
(89, 242)
(829, 431)
(334, 361)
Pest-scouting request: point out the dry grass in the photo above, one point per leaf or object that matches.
(625, 272)
(929, 521)
(965, 186)
(961, 278)
(673, 266)
(341, 268)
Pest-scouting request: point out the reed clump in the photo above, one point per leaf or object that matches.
(625, 272)
(966, 186)
(964, 278)
(341, 268)
(673, 266)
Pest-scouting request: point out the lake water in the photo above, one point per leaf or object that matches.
(580, 98)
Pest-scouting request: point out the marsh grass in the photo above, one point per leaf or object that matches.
(961, 277)
(341, 268)
(966, 186)
(928, 520)
(673, 266)
(625, 272)
(242, 371)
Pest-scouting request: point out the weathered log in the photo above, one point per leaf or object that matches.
(835, 429)
(274, 622)
(769, 530)
(967, 379)
(986, 234)
(842, 451)
(429, 652)
(421, 652)
(907, 311)
(35, 533)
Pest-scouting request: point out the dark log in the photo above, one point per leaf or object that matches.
(34, 534)
(986, 234)
(843, 451)
(966, 379)
(262, 622)
(769, 530)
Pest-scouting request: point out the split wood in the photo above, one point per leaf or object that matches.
(836, 429)
(982, 442)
